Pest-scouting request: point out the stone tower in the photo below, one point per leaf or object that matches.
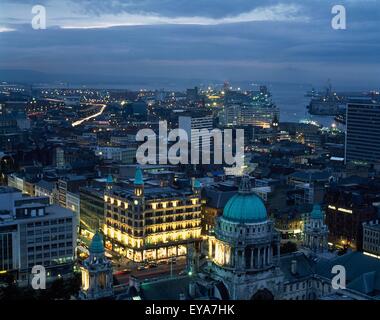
(315, 231)
(96, 273)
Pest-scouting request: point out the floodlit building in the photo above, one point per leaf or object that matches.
(151, 223)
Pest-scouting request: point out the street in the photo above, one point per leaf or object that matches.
(160, 270)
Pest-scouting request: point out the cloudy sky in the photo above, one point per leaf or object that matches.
(184, 41)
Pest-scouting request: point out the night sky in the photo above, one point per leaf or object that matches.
(115, 41)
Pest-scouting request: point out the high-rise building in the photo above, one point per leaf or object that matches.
(363, 132)
(199, 134)
(192, 125)
(33, 232)
(248, 114)
(151, 223)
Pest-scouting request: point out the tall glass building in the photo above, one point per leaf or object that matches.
(363, 132)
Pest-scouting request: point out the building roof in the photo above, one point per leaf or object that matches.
(362, 272)
(317, 212)
(245, 207)
(304, 268)
(46, 185)
(109, 179)
(96, 246)
(138, 177)
(197, 184)
(311, 175)
(217, 198)
(165, 289)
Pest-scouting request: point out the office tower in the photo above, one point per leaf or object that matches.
(33, 232)
(363, 132)
(192, 125)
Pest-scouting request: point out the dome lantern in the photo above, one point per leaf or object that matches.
(245, 207)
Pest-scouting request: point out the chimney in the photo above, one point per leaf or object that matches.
(293, 267)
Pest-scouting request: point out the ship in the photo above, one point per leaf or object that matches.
(328, 103)
(331, 103)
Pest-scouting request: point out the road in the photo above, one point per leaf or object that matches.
(79, 122)
(160, 270)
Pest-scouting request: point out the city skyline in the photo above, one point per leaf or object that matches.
(212, 150)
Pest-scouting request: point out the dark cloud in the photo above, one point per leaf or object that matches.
(294, 51)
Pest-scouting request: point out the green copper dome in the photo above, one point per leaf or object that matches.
(96, 245)
(245, 207)
(317, 212)
(109, 179)
(197, 184)
(138, 177)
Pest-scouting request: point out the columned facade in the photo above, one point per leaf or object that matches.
(245, 251)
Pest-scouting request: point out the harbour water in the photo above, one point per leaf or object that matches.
(292, 103)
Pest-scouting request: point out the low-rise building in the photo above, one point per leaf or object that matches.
(371, 238)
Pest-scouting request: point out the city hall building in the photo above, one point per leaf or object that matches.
(148, 224)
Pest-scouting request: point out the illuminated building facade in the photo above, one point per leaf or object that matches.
(260, 116)
(246, 249)
(245, 261)
(147, 224)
